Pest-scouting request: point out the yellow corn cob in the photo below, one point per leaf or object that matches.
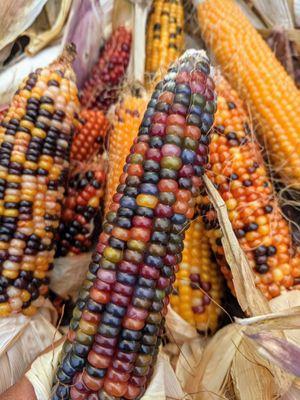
(238, 170)
(164, 34)
(126, 122)
(198, 287)
(260, 79)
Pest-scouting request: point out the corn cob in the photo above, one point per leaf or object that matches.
(118, 321)
(89, 137)
(126, 121)
(81, 206)
(198, 287)
(253, 70)
(164, 36)
(35, 144)
(238, 171)
(101, 90)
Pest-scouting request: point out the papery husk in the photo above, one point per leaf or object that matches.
(249, 297)
(22, 339)
(253, 303)
(16, 16)
(85, 29)
(39, 37)
(68, 274)
(177, 329)
(11, 78)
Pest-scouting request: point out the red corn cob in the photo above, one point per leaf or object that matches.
(101, 90)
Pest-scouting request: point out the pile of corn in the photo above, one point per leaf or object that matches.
(142, 163)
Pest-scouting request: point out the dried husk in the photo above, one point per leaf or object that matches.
(85, 29)
(22, 339)
(39, 37)
(16, 16)
(68, 274)
(10, 78)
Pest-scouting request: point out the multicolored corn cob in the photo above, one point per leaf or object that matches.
(88, 138)
(35, 137)
(260, 79)
(125, 122)
(118, 321)
(102, 89)
(81, 206)
(198, 287)
(165, 36)
(238, 171)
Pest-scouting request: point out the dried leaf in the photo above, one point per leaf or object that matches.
(274, 13)
(21, 341)
(11, 77)
(251, 375)
(85, 30)
(16, 16)
(249, 297)
(213, 374)
(279, 351)
(68, 274)
(40, 38)
(297, 12)
(141, 9)
(178, 330)
(288, 319)
(188, 364)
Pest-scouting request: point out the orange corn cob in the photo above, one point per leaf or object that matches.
(260, 79)
(89, 136)
(198, 287)
(237, 169)
(126, 122)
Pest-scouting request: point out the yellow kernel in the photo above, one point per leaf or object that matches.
(146, 200)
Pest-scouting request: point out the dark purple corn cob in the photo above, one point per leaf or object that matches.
(118, 321)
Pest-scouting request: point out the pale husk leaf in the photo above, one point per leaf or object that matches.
(40, 38)
(249, 297)
(275, 13)
(188, 362)
(281, 320)
(141, 9)
(213, 373)
(16, 16)
(68, 274)
(284, 302)
(278, 351)
(297, 12)
(22, 339)
(178, 330)
(84, 28)
(12, 76)
(251, 375)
